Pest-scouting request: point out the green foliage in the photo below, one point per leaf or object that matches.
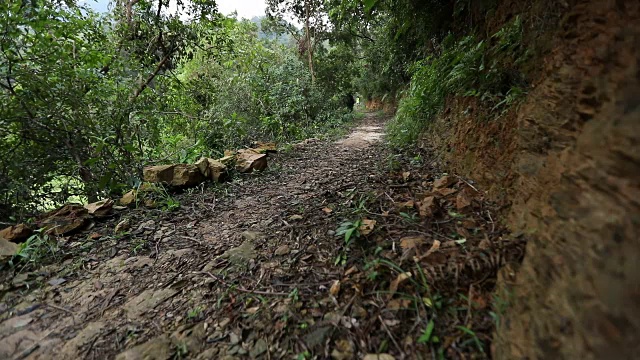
(465, 67)
(351, 231)
(37, 247)
(88, 100)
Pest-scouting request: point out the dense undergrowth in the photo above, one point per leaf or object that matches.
(487, 69)
(89, 99)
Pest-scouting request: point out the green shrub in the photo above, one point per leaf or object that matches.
(466, 67)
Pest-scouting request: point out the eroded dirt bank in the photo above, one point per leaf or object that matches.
(565, 166)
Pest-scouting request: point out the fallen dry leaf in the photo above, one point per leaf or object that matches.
(446, 191)
(295, 217)
(395, 283)
(378, 357)
(434, 248)
(100, 208)
(462, 201)
(343, 350)
(428, 206)
(327, 210)
(253, 310)
(406, 205)
(367, 226)
(444, 181)
(335, 288)
(410, 242)
(350, 271)
(397, 304)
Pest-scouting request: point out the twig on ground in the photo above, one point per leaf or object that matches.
(466, 182)
(60, 308)
(241, 289)
(393, 340)
(493, 225)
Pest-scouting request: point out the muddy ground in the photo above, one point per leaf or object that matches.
(339, 250)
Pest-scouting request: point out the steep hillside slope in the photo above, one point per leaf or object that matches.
(565, 165)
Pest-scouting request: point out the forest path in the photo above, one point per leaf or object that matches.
(255, 269)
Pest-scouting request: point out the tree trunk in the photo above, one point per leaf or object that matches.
(308, 38)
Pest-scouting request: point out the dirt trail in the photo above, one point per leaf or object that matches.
(249, 270)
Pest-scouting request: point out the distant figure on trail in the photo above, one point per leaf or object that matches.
(349, 101)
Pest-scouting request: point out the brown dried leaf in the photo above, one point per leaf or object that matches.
(335, 288)
(378, 357)
(410, 242)
(327, 210)
(446, 191)
(253, 310)
(367, 226)
(443, 182)
(395, 283)
(462, 201)
(428, 206)
(350, 271)
(397, 304)
(406, 205)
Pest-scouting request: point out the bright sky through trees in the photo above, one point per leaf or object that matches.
(245, 8)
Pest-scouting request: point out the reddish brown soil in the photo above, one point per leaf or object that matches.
(564, 166)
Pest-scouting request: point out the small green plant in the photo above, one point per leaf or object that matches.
(138, 245)
(426, 336)
(171, 204)
(194, 313)
(294, 295)
(411, 218)
(37, 248)
(350, 230)
(474, 338)
(181, 351)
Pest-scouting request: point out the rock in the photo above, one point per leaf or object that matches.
(65, 220)
(227, 160)
(20, 279)
(72, 349)
(146, 301)
(247, 161)
(428, 206)
(122, 226)
(252, 235)
(128, 198)
(7, 249)
(317, 337)
(203, 166)
(444, 182)
(100, 208)
(158, 174)
(259, 348)
(265, 148)
(241, 254)
(212, 169)
(181, 175)
(159, 348)
(17, 233)
(15, 344)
